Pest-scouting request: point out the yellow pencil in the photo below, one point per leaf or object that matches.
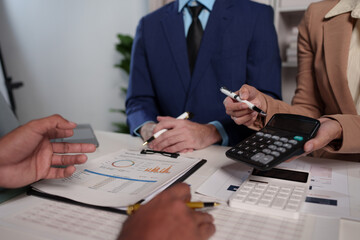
(132, 208)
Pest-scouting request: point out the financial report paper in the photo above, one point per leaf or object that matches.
(118, 179)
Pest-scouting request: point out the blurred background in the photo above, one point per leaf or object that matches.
(63, 51)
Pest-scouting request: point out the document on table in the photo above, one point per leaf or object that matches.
(328, 194)
(118, 179)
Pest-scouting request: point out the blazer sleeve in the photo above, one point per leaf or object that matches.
(307, 99)
(140, 100)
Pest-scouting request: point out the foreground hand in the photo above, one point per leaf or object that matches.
(183, 135)
(240, 112)
(27, 155)
(329, 130)
(167, 217)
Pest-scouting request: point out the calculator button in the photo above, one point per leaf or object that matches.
(255, 150)
(298, 138)
(247, 148)
(288, 146)
(279, 203)
(291, 207)
(266, 159)
(260, 134)
(264, 202)
(278, 143)
(276, 154)
(258, 156)
(284, 139)
(293, 142)
(240, 152)
(262, 146)
(267, 135)
(281, 149)
(268, 141)
(267, 151)
(272, 147)
(275, 137)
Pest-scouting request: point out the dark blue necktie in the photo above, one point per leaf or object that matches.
(194, 35)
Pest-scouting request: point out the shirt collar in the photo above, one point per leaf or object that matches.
(206, 3)
(344, 6)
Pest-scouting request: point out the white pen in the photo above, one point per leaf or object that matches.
(227, 92)
(185, 115)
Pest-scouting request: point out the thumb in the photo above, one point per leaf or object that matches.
(309, 146)
(248, 92)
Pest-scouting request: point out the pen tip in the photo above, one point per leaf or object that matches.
(145, 143)
(190, 115)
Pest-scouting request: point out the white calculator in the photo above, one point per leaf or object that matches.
(279, 192)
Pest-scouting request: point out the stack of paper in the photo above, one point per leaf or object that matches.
(291, 50)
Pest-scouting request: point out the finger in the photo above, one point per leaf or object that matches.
(168, 124)
(73, 147)
(179, 191)
(44, 125)
(69, 159)
(60, 133)
(202, 217)
(309, 146)
(244, 92)
(55, 173)
(206, 230)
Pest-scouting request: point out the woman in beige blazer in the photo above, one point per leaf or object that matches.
(326, 33)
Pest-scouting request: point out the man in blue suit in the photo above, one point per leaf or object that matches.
(238, 46)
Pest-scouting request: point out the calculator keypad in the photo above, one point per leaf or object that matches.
(262, 148)
(269, 198)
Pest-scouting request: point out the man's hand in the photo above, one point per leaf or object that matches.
(240, 112)
(167, 217)
(147, 130)
(183, 135)
(27, 155)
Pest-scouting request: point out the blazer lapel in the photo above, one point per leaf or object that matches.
(337, 36)
(173, 26)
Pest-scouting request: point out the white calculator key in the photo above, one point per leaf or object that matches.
(279, 200)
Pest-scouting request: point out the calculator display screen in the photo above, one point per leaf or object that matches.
(283, 174)
(293, 125)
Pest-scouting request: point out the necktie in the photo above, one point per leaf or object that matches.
(194, 35)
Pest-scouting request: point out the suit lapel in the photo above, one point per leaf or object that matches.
(337, 36)
(173, 26)
(219, 19)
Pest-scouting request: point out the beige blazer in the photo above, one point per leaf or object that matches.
(322, 86)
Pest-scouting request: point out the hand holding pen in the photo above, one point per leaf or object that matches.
(236, 97)
(185, 115)
(244, 114)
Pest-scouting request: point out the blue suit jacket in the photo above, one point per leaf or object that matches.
(239, 46)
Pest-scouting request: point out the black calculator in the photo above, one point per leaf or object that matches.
(283, 137)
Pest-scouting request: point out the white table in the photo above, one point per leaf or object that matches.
(311, 227)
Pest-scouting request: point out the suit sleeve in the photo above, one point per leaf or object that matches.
(140, 100)
(263, 59)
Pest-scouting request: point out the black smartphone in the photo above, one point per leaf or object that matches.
(83, 133)
(283, 137)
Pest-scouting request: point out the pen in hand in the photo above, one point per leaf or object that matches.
(194, 205)
(236, 97)
(185, 115)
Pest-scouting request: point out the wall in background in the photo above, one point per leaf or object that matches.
(63, 52)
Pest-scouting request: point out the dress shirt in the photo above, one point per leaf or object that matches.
(204, 15)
